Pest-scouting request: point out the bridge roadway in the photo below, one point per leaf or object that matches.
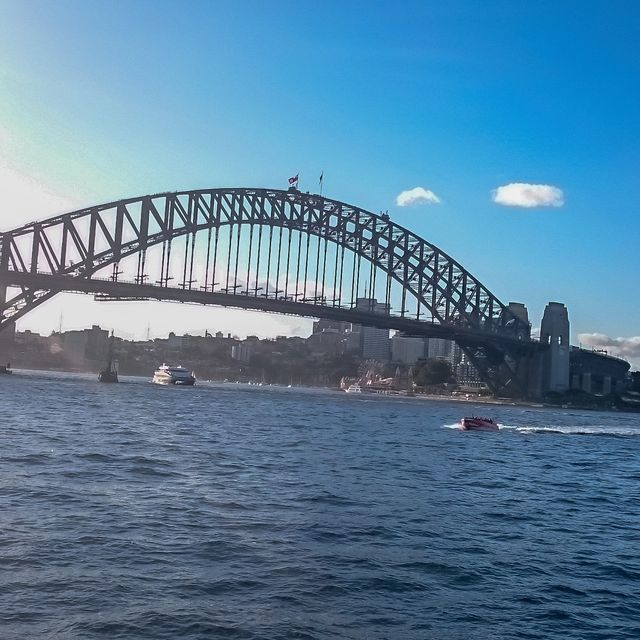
(124, 290)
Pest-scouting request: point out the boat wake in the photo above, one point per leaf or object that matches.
(456, 425)
(573, 430)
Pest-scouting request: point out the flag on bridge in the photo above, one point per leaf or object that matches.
(293, 182)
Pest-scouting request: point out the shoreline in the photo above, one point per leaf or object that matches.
(461, 399)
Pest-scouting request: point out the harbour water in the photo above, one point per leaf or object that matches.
(227, 511)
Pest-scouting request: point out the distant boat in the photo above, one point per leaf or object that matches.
(478, 424)
(109, 373)
(5, 368)
(174, 374)
(354, 388)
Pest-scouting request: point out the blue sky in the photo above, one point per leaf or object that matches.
(104, 100)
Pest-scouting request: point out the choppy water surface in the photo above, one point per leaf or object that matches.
(225, 511)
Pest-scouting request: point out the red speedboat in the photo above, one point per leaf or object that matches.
(478, 424)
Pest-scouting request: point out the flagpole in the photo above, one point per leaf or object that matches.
(321, 180)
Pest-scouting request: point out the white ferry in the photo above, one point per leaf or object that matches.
(354, 388)
(173, 374)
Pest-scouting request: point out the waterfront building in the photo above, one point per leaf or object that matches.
(374, 342)
(407, 349)
(443, 349)
(243, 351)
(329, 341)
(467, 375)
(86, 344)
(176, 342)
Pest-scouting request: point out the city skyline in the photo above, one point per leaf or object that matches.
(512, 149)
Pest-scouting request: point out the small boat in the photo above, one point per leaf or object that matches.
(5, 368)
(109, 373)
(478, 424)
(174, 374)
(354, 388)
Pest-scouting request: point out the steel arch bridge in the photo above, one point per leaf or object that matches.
(266, 249)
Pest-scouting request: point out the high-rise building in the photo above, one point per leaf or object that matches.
(467, 375)
(443, 349)
(374, 342)
(243, 351)
(407, 349)
(438, 348)
(328, 341)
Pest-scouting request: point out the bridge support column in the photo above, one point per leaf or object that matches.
(3, 296)
(4, 267)
(7, 342)
(7, 332)
(554, 333)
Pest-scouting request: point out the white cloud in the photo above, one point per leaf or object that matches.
(627, 348)
(417, 195)
(522, 194)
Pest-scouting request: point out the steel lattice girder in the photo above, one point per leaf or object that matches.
(67, 245)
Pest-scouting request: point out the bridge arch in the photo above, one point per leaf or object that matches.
(69, 251)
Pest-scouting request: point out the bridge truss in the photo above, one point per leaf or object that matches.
(271, 250)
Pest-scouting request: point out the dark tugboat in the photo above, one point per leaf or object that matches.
(109, 373)
(5, 368)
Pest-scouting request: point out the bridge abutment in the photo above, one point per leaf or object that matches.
(5, 250)
(520, 311)
(8, 330)
(534, 375)
(7, 343)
